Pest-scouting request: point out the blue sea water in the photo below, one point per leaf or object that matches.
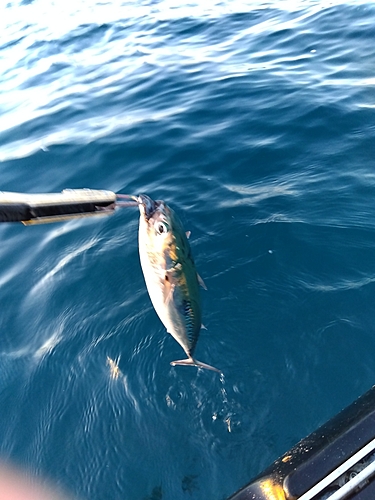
(255, 121)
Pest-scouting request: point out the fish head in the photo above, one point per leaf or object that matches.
(158, 223)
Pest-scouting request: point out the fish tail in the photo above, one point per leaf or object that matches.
(194, 362)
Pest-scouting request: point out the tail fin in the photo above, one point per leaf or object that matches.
(194, 362)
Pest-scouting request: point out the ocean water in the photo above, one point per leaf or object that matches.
(255, 121)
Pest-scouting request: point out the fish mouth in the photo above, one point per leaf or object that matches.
(149, 205)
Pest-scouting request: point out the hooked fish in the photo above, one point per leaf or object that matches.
(170, 275)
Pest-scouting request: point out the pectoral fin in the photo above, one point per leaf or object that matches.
(168, 289)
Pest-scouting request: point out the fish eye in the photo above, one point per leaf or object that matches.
(161, 227)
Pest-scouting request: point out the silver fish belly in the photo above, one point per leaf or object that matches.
(170, 275)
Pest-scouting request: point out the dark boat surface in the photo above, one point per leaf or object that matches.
(335, 462)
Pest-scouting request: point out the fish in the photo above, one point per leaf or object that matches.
(171, 278)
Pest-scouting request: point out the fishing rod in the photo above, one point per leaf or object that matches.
(57, 207)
